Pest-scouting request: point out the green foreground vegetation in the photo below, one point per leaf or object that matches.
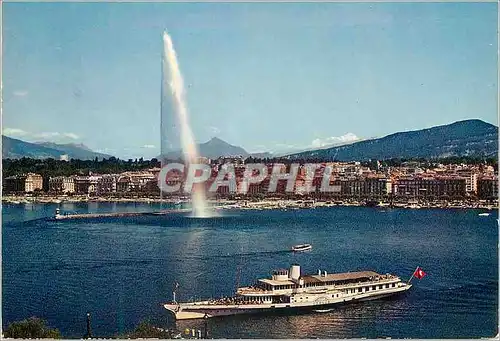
(31, 328)
(36, 328)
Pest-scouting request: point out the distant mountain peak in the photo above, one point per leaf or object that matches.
(213, 148)
(64, 145)
(216, 140)
(79, 145)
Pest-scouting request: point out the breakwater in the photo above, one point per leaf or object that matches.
(116, 214)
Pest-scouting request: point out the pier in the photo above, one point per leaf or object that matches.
(59, 216)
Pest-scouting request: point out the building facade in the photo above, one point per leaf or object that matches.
(62, 184)
(488, 188)
(28, 183)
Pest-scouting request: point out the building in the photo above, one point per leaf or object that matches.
(82, 184)
(487, 188)
(62, 184)
(23, 183)
(14, 184)
(33, 182)
(136, 182)
(368, 187)
(94, 184)
(430, 187)
(470, 181)
(106, 184)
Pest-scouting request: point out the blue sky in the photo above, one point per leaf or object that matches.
(267, 77)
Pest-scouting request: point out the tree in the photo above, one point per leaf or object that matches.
(32, 328)
(146, 330)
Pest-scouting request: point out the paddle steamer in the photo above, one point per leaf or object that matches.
(287, 290)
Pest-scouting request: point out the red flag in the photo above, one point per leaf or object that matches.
(419, 273)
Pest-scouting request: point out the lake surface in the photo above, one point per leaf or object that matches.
(123, 269)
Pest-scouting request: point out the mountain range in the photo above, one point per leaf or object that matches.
(464, 138)
(15, 149)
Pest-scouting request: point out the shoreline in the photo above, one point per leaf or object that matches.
(271, 203)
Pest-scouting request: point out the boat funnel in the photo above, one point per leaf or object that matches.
(319, 272)
(294, 272)
(325, 273)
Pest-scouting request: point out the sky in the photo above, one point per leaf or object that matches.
(263, 76)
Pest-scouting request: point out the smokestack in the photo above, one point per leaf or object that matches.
(294, 273)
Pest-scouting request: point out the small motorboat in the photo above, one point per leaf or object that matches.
(301, 247)
(483, 214)
(322, 310)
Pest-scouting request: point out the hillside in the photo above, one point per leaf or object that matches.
(464, 138)
(16, 149)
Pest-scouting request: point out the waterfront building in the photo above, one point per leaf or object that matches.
(62, 184)
(487, 187)
(235, 160)
(430, 187)
(29, 182)
(82, 184)
(106, 184)
(13, 184)
(138, 181)
(33, 182)
(123, 184)
(174, 178)
(470, 181)
(93, 184)
(364, 187)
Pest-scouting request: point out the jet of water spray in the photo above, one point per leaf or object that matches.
(172, 75)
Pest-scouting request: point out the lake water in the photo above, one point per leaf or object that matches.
(123, 269)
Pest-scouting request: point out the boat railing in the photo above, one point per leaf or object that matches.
(380, 280)
(227, 301)
(251, 290)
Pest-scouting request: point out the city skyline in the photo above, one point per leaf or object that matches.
(321, 72)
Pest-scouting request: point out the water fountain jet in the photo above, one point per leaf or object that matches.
(180, 130)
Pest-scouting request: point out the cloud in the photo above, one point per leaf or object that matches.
(46, 135)
(282, 148)
(285, 146)
(14, 132)
(51, 135)
(149, 146)
(213, 130)
(20, 93)
(333, 140)
(71, 136)
(106, 151)
(43, 135)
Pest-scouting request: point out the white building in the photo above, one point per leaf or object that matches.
(62, 184)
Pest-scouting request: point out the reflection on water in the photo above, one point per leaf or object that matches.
(68, 207)
(123, 269)
(344, 321)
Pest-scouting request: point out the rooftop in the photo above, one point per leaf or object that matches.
(339, 277)
(273, 282)
(328, 278)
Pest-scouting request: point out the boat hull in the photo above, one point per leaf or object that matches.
(187, 311)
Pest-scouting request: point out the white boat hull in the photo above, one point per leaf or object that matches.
(185, 311)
